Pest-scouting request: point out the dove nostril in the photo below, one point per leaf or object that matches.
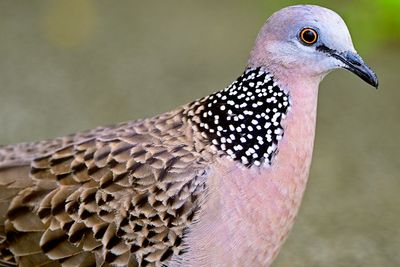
(354, 59)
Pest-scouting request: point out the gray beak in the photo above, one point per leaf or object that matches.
(356, 64)
(353, 63)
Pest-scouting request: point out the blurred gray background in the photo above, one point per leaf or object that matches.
(70, 65)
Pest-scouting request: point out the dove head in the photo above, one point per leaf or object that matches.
(310, 41)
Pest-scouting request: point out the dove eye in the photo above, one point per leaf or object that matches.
(308, 36)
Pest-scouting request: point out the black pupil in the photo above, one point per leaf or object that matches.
(309, 36)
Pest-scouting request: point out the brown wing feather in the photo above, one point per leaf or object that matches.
(25, 152)
(119, 196)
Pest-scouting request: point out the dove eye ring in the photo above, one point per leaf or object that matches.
(308, 36)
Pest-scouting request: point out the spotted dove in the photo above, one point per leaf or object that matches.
(216, 182)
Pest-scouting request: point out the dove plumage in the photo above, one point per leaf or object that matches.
(120, 195)
(216, 182)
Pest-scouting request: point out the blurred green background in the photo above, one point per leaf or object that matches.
(69, 65)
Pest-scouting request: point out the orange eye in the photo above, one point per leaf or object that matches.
(308, 36)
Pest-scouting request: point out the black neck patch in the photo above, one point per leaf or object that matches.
(243, 121)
